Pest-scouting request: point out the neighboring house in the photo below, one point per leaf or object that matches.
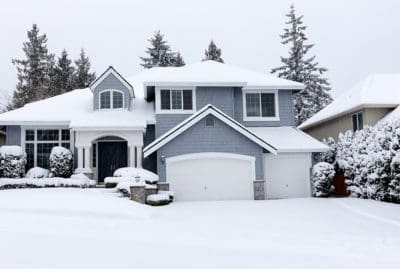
(365, 104)
(210, 130)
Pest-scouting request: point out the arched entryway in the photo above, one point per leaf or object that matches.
(108, 154)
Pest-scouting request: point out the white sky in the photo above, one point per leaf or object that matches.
(353, 38)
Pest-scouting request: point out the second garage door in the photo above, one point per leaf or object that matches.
(287, 175)
(211, 176)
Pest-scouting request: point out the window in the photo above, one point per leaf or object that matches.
(40, 142)
(94, 155)
(105, 100)
(177, 99)
(111, 99)
(118, 100)
(358, 123)
(260, 106)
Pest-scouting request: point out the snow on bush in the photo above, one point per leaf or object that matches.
(125, 186)
(17, 183)
(37, 172)
(370, 161)
(322, 179)
(158, 199)
(61, 162)
(137, 173)
(12, 161)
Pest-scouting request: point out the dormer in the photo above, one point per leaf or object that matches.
(111, 91)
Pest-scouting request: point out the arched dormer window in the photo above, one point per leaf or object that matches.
(111, 99)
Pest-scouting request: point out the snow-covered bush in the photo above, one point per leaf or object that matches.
(137, 173)
(158, 199)
(61, 162)
(12, 161)
(330, 155)
(394, 185)
(322, 177)
(37, 172)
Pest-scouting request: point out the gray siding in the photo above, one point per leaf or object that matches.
(111, 82)
(164, 122)
(13, 135)
(220, 97)
(286, 110)
(219, 138)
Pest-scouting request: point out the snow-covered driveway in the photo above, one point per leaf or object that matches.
(78, 228)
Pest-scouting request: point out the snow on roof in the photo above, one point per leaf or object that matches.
(392, 116)
(210, 73)
(75, 108)
(379, 90)
(289, 139)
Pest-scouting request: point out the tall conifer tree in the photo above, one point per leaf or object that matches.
(213, 53)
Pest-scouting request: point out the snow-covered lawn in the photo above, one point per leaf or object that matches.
(94, 228)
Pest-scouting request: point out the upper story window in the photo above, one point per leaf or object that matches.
(111, 99)
(357, 119)
(175, 100)
(260, 105)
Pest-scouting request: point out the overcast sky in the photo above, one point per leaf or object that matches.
(353, 38)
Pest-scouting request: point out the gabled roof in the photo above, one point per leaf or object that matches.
(202, 113)
(379, 90)
(111, 70)
(211, 73)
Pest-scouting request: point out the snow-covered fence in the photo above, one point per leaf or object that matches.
(12, 161)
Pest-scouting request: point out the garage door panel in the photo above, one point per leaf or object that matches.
(211, 178)
(287, 175)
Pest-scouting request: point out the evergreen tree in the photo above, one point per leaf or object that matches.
(62, 75)
(159, 53)
(178, 60)
(34, 70)
(82, 75)
(213, 53)
(298, 67)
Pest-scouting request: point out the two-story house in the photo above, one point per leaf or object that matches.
(210, 130)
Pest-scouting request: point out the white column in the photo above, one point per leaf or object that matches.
(132, 156)
(87, 158)
(139, 156)
(80, 157)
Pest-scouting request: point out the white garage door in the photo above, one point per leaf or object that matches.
(287, 175)
(211, 176)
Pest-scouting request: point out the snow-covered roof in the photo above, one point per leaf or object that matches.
(289, 139)
(75, 109)
(210, 73)
(379, 90)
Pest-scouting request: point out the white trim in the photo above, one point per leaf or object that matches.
(112, 100)
(109, 128)
(175, 111)
(118, 76)
(260, 118)
(210, 155)
(186, 124)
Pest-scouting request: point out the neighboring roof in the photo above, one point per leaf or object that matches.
(202, 113)
(210, 73)
(380, 90)
(392, 116)
(111, 70)
(289, 139)
(75, 109)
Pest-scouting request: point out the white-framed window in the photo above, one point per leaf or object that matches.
(38, 143)
(260, 105)
(111, 99)
(175, 100)
(358, 122)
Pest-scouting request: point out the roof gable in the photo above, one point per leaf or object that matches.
(195, 118)
(105, 75)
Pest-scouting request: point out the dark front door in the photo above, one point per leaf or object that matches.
(112, 155)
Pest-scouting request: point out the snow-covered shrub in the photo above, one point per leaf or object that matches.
(18, 183)
(330, 155)
(61, 162)
(322, 177)
(12, 161)
(137, 173)
(394, 185)
(37, 172)
(158, 199)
